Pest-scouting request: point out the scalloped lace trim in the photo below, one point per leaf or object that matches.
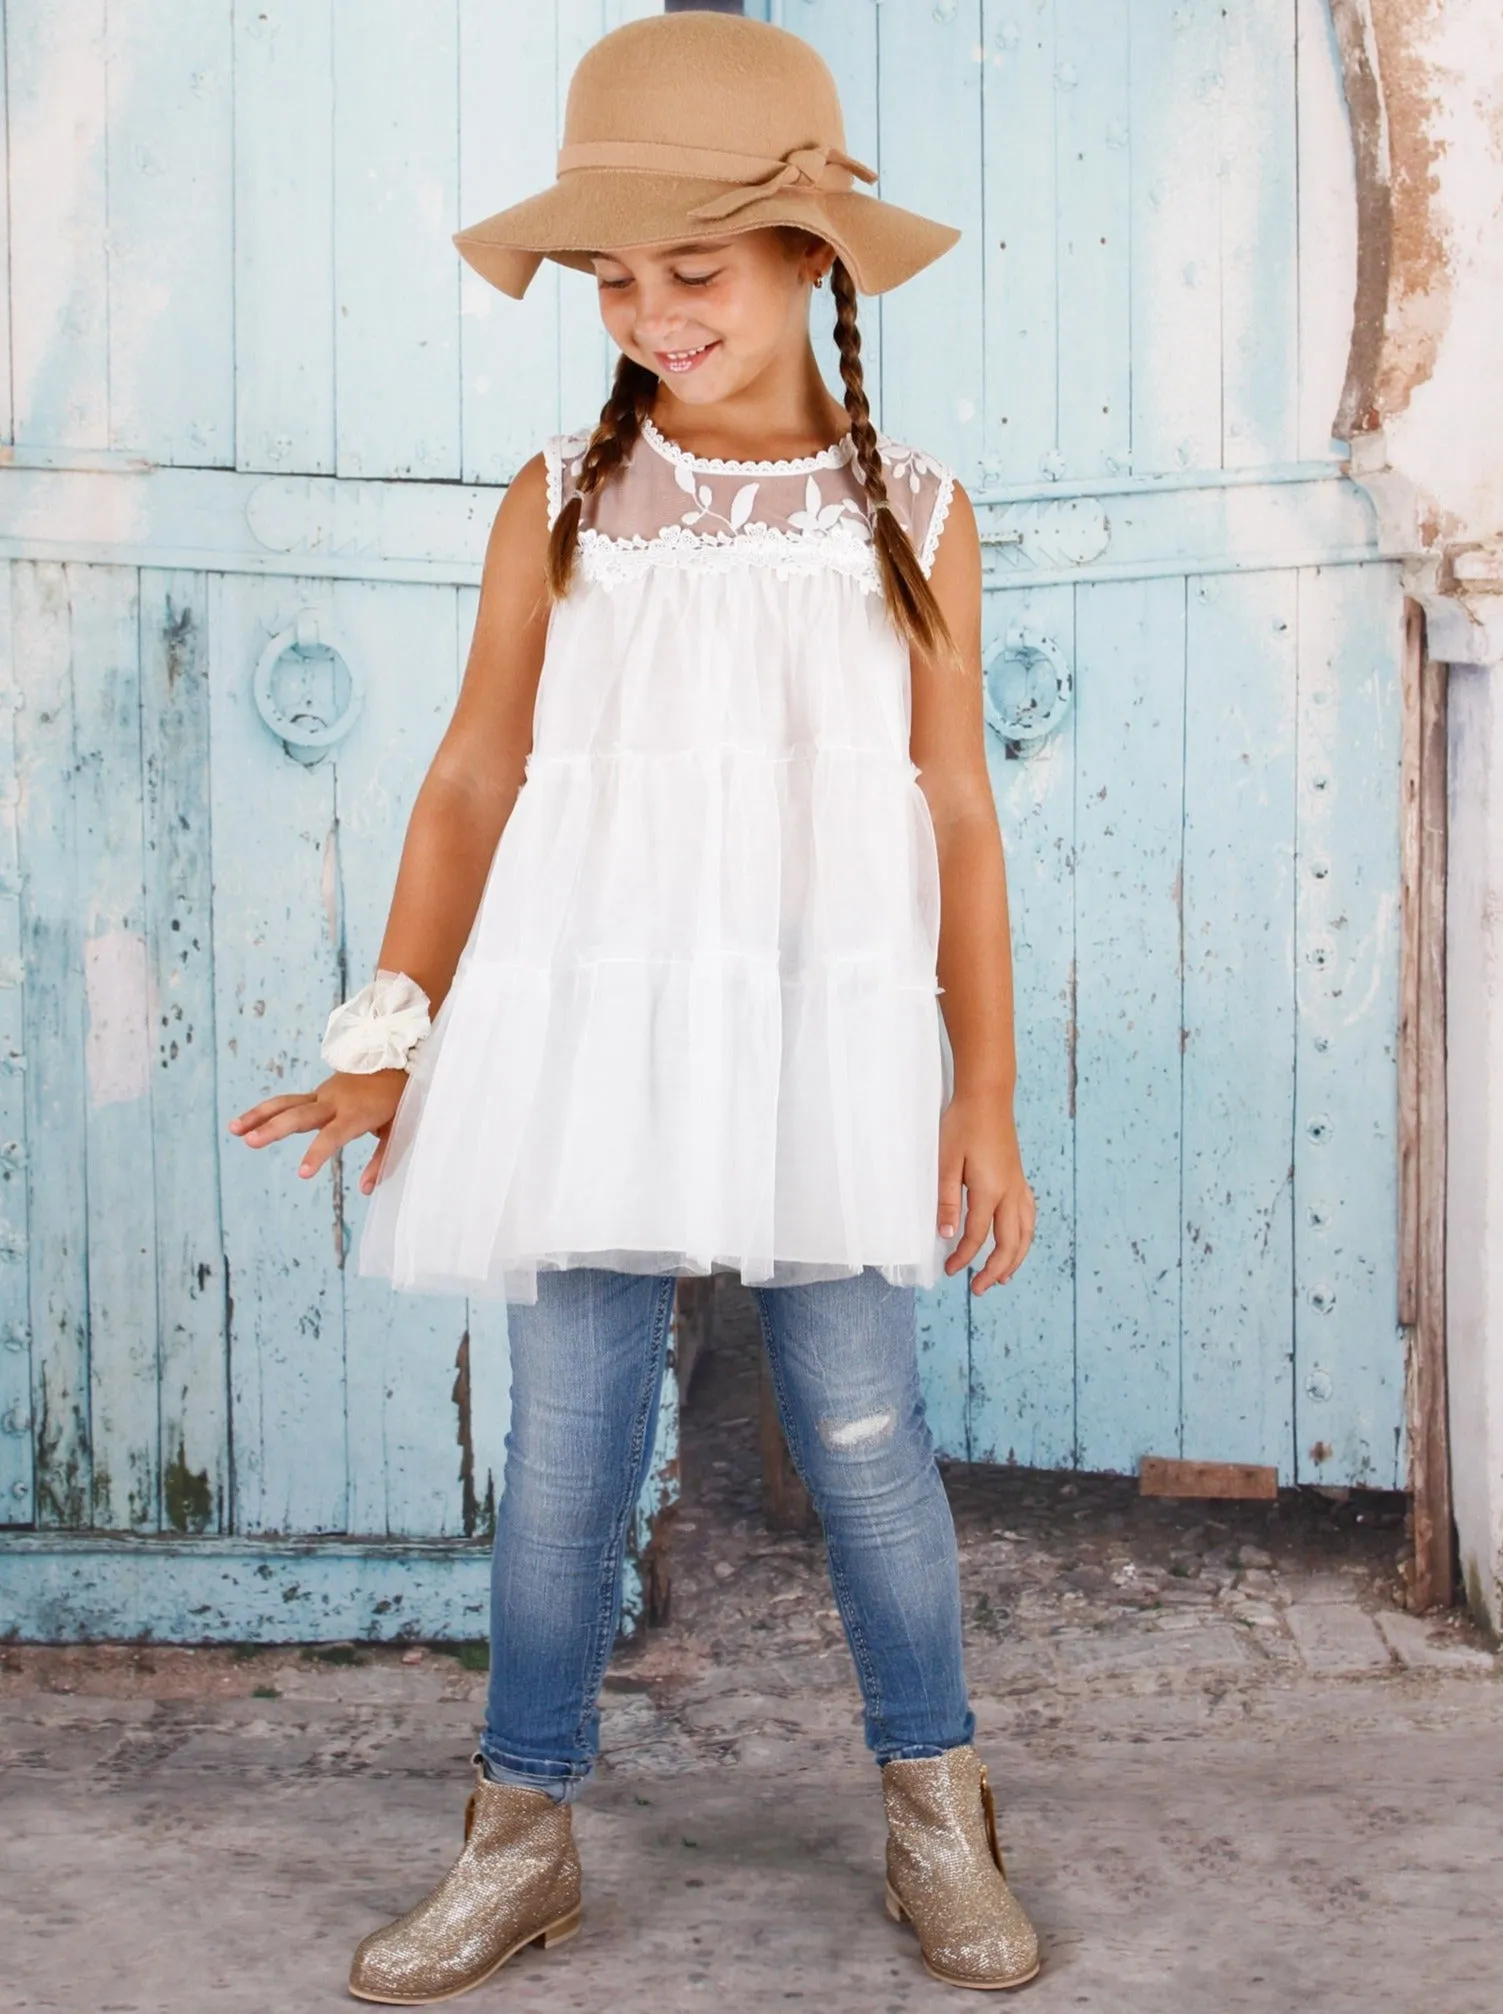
(610, 560)
(833, 457)
(937, 518)
(557, 450)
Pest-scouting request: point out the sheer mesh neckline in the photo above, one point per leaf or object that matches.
(833, 457)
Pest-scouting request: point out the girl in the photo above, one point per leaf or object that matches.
(710, 828)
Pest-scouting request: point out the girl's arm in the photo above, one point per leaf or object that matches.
(457, 819)
(978, 1136)
(472, 782)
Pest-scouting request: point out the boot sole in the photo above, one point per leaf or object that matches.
(552, 1933)
(899, 1914)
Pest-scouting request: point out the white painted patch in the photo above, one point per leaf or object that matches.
(117, 1049)
(844, 1434)
(965, 409)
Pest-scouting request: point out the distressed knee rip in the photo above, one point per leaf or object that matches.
(870, 1430)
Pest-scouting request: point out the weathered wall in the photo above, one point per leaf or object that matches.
(1474, 1060)
(1422, 411)
(1424, 84)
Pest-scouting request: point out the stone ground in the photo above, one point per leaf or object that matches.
(1233, 1774)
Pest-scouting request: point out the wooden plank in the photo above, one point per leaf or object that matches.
(928, 60)
(171, 231)
(7, 408)
(488, 1361)
(56, 1175)
(507, 149)
(786, 1504)
(1238, 1088)
(1429, 1433)
(942, 1323)
(185, 1133)
(410, 1437)
(1021, 305)
(117, 1206)
(1092, 116)
(1129, 795)
(17, 1477)
(396, 202)
(489, 1350)
(696, 1324)
(1259, 234)
(55, 97)
(586, 355)
(1327, 228)
(276, 978)
(224, 521)
(91, 1588)
(1410, 852)
(846, 37)
(1348, 1352)
(284, 237)
(1175, 88)
(1022, 1334)
(1161, 1476)
(647, 1577)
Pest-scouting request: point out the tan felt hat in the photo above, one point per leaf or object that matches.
(695, 125)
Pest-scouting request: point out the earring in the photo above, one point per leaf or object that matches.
(819, 279)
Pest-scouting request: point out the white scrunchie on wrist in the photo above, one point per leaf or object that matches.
(379, 1027)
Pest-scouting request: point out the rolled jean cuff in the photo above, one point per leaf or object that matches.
(554, 1780)
(925, 1751)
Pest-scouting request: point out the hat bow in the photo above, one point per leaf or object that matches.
(753, 175)
(806, 167)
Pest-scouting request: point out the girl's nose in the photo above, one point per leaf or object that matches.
(663, 335)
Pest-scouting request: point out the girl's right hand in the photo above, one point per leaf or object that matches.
(344, 1106)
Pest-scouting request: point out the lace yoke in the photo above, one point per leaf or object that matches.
(671, 508)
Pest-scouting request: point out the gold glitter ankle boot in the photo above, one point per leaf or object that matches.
(945, 1873)
(516, 1882)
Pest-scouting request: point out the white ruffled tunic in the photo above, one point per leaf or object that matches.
(696, 1025)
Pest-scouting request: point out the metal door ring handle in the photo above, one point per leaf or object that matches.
(305, 732)
(1024, 725)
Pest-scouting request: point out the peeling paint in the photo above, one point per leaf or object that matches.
(329, 883)
(117, 1051)
(61, 1495)
(187, 1496)
(1403, 295)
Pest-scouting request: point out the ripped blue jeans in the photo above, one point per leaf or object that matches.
(587, 1366)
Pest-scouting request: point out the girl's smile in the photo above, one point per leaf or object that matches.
(680, 361)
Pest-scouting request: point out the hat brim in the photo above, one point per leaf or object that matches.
(591, 211)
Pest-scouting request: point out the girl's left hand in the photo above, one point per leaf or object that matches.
(978, 1148)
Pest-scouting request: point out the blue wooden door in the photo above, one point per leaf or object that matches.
(1193, 647)
(254, 396)
(257, 420)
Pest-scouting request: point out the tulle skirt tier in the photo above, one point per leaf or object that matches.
(696, 1026)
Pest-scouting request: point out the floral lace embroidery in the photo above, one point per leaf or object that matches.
(825, 534)
(611, 560)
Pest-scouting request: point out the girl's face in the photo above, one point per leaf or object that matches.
(710, 315)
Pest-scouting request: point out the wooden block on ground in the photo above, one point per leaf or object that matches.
(1160, 1476)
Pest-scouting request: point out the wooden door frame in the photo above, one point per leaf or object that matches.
(1422, 1113)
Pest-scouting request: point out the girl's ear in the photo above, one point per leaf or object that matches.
(814, 257)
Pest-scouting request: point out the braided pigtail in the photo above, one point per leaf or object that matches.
(910, 600)
(620, 424)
